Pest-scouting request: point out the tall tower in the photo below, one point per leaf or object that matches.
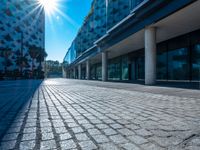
(22, 27)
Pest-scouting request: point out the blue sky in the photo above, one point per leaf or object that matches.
(61, 28)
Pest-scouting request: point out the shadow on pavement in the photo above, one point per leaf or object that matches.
(14, 95)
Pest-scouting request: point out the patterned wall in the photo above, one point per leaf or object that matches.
(22, 24)
(104, 14)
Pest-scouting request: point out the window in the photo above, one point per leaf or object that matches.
(178, 64)
(98, 72)
(196, 62)
(125, 71)
(140, 68)
(114, 69)
(162, 62)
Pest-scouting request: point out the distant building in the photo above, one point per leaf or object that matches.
(22, 31)
(53, 69)
(137, 40)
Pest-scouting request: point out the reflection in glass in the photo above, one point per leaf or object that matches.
(196, 62)
(93, 72)
(162, 65)
(98, 72)
(125, 72)
(114, 70)
(140, 68)
(178, 64)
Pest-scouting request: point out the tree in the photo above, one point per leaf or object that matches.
(21, 61)
(38, 54)
(6, 52)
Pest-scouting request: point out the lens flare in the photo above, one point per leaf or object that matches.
(49, 6)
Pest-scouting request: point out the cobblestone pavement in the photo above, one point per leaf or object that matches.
(72, 114)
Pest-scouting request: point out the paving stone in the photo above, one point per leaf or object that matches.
(143, 132)
(130, 146)
(102, 126)
(100, 138)
(109, 131)
(47, 135)
(151, 146)
(77, 130)
(126, 132)
(61, 130)
(8, 145)
(65, 136)
(108, 146)
(50, 144)
(82, 137)
(29, 136)
(11, 136)
(29, 130)
(27, 145)
(68, 144)
(46, 129)
(87, 145)
(118, 139)
(137, 139)
(88, 126)
(116, 126)
(94, 131)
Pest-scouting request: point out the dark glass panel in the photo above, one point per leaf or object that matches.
(83, 73)
(125, 71)
(178, 64)
(162, 61)
(179, 42)
(195, 37)
(114, 69)
(93, 72)
(140, 68)
(196, 62)
(98, 72)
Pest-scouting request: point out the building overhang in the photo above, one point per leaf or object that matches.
(172, 18)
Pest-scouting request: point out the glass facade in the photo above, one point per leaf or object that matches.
(162, 62)
(139, 68)
(178, 65)
(114, 69)
(177, 59)
(195, 62)
(98, 72)
(102, 16)
(125, 68)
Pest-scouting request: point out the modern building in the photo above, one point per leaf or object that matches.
(137, 40)
(22, 30)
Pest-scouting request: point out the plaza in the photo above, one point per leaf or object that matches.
(80, 114)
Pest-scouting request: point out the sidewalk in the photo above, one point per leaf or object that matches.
(73, 114)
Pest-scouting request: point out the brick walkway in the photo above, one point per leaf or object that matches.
(71, 114)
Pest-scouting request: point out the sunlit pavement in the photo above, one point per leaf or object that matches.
(72, 114)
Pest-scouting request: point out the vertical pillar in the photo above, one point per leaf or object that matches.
(88, 69)
(150, 55)
(104, 66)
(79, 71)
(74, 71)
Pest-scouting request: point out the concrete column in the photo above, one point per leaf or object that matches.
(88, 69)
(74, 71)
(104, 66)
(79, 71)
(150, 55)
